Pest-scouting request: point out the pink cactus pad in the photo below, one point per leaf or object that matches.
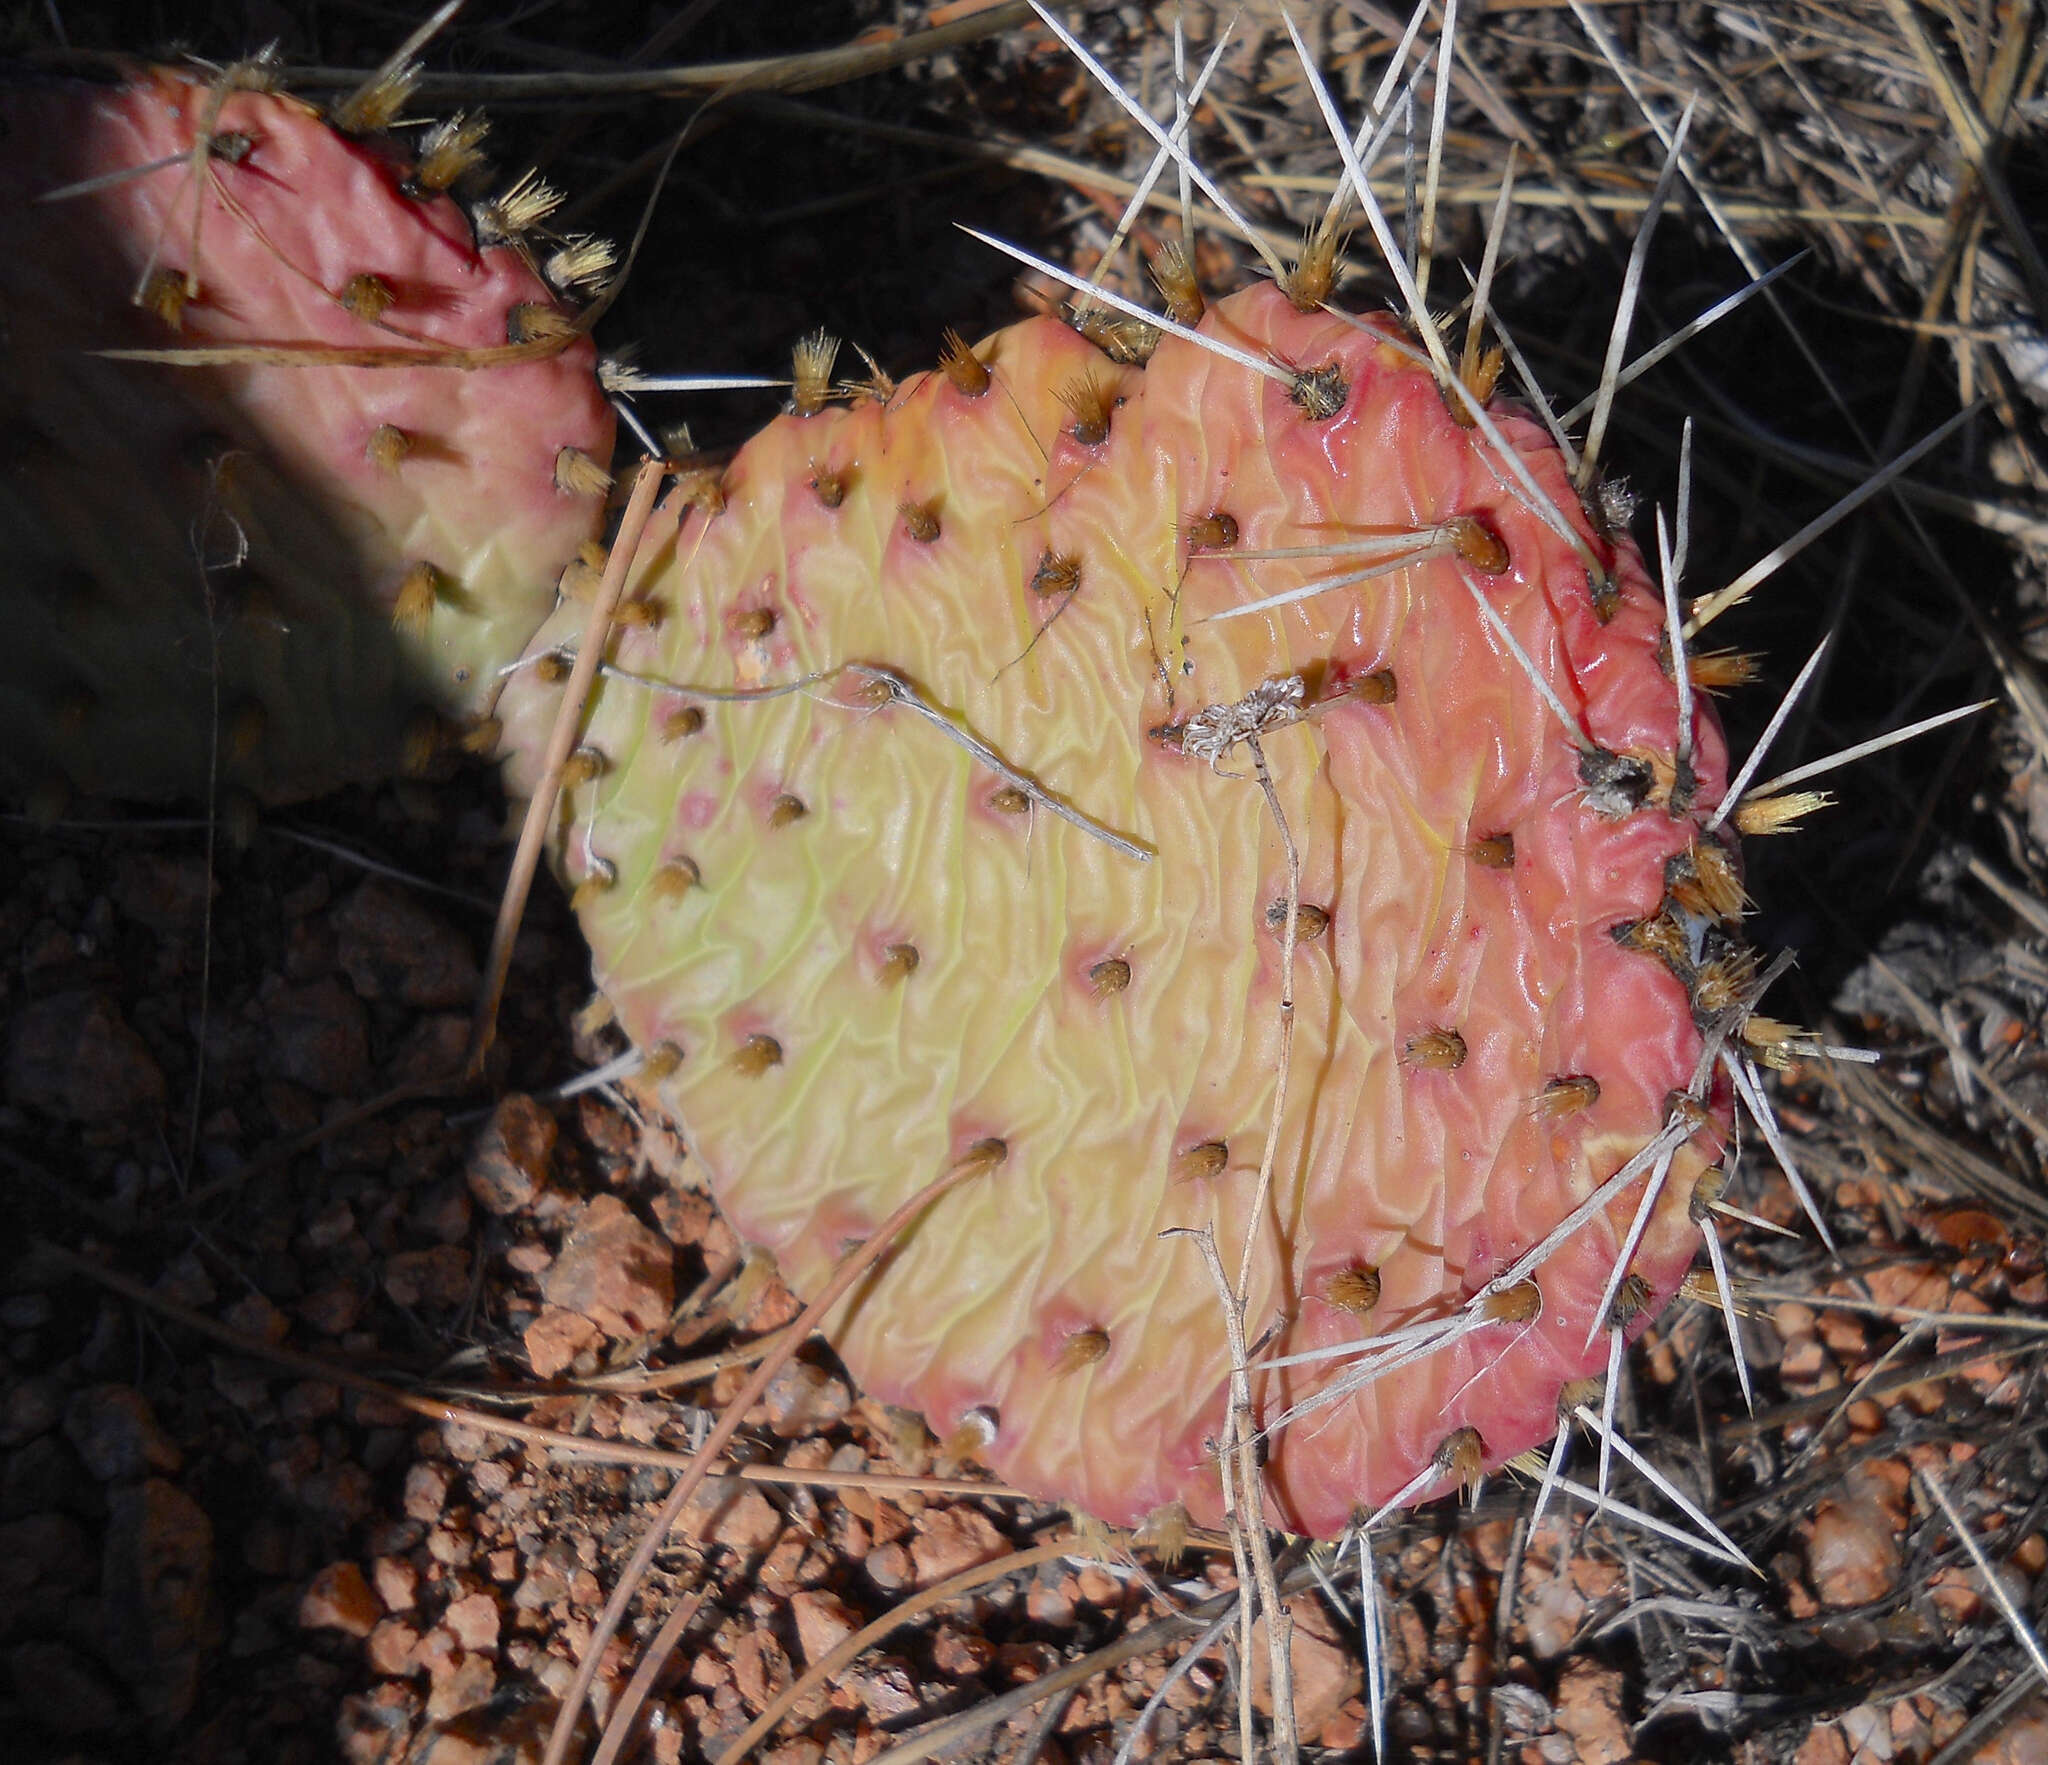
(320, 555)
(871, 951)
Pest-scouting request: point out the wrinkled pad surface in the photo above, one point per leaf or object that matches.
(1043, 1294)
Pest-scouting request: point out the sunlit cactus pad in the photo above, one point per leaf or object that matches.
(330, 536)
(855, 950)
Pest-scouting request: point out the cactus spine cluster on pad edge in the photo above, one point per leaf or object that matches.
(337, 490)
(915, 814)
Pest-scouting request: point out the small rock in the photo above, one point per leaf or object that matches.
(823, 1621)
(442, 1213)
(74, 1056)
(1824, 1746)
(615, 1271)
(951, 1539)
(156, 1572)
(889, 1568)
(319, 1037)
(1851, 1556)
(494, 1738)
(391, 1648)
(2022, 1741)
(437, 1278)
(116, 1434)
(960, 1654)
(331, 1311)
(1326, 1666)
(473, 1621)
(1588, 1708)
(760, 1668)
(392, 947)
(397, 1582)
(29, 1408)
(253, 1315)
(470, 1683)
(374, 1727)
(168, 895)
(509, 1164)
(556, 1337)
(804, 1399)
(726, 1511)
(340, 1599)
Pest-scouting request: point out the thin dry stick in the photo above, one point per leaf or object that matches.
(454, 1415)
(540, 812)
(1248, 1511)
(850, 1649)
(980, 1159)
(1243, 1496)
(620, 1728)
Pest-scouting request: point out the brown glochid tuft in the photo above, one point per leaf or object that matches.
(419, 593)
(387, 447)
(899, 963)
(787, 809)
(598, 879)
(675, 879)
(1573, 1094)
(448, 152)
(1462, 1455)
(1494, 851)
(920, 519)
(1477, 544)
(1310, 921)
(577, 474)
(1057, 573)
(164, 294)
(1213, 532)
(1174, 272)
(1319, 393)
(1631, 1300)
(1201, 1163)
(811, 372)
(757, 1054)
(534, 321)
(966, 370)
(1082, 1349)
(682, 723)
(1093, 402)
(1438, 1050)
(1314, 276)
(367, 297)
(1111, 975)
(1355, 1290)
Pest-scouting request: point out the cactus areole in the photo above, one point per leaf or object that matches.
(915, 813)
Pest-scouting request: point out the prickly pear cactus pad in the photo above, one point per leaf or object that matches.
(954, 838)
(338, 499)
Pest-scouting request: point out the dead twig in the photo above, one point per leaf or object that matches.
(540, 812)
